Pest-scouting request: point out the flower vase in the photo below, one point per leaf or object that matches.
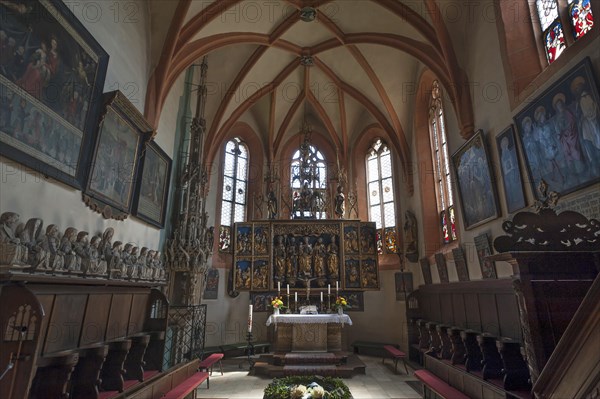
(340, 310)
(276, 311)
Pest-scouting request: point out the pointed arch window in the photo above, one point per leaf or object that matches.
(308, 182)
(441, 165)
(381, 197)
(549, 12)
(234, 194)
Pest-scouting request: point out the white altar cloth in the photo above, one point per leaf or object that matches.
(309, 319)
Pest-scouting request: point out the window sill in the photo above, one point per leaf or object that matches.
(446, 249)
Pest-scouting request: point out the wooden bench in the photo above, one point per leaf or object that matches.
(239, 349)
(188, 386)
(439, 387)
(395, 354)
(208, 363)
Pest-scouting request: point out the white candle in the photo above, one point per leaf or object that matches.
(295, 296)
(250, 318)
(288, 289)
(321, 296)
(328, 289)
(278, 287)
(337, 285)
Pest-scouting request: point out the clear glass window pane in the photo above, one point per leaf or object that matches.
(228, 188)
(226, 213)
(376, 216)
(229, 164)
(387, 188)
(386, 165)
(242, 169)
(240, 213)
(240, 192)
(374, 194)
(389, 215)
(547, 11)
(373, 170)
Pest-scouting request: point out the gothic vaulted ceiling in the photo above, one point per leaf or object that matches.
(271, 65)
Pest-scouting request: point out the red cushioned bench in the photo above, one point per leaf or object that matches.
(438, 386)
(395, 354)
(208, 363)
(188, 386)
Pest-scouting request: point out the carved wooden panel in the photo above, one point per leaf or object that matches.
(458, 308)
(65, 323)
(96, 318)
(119, 316)
(138, 314)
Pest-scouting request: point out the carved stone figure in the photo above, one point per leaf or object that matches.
(30, 237)
(105, 246)
(51, 244)
(272, 205)
(98, 265)
(72, 262)
(160, 266)
(340, 202)
(142, 264)
(81, 249)
(12, 251)
(114, 260)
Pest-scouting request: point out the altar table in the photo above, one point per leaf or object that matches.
(307, 333)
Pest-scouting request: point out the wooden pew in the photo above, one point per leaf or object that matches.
(188, 386)
(441, 389)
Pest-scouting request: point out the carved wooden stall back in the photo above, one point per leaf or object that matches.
(555, 258)
(20, 323)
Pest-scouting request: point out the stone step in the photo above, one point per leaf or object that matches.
(311, 358)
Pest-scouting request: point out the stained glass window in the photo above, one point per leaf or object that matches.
(380, 194)
(582, 19)
(441, 164)
(233, 197)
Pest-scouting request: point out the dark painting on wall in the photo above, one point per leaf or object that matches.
(211, 291)
(482, 245)
(261, 301)
(113, 170)
(152, 190)
(475, 182)
(460, 262)
(404, 285)
(426, 270)
(511, 171)
(440, 261)
(51, 77)
(356, 302)
(560, 133)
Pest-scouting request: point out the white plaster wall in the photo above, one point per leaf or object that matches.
(122, 29)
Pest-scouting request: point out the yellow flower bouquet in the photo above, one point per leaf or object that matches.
(277, 303)
(341, 302)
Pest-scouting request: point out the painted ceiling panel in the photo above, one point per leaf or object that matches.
(306, 34)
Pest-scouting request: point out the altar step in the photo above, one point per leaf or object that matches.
(343, 364)
(299, 358)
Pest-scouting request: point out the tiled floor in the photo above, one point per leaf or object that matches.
(379, 382)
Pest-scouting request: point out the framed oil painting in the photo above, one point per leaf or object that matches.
(113, 170)
(475, 182)
(52, 73)
(560, 133)
(511, 171)
(152, 189)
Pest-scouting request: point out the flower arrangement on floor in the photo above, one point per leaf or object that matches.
(307, 387)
